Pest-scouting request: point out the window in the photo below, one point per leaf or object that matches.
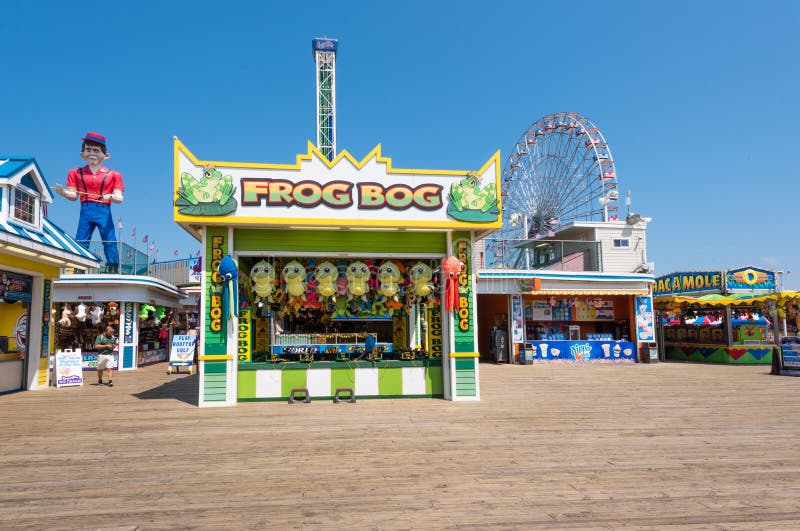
(24, 206)
(622, 243)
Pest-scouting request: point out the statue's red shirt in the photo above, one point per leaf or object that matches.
(92, 186)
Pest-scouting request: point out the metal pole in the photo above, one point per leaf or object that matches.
(780, 290)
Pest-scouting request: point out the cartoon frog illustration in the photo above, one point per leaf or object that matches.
(211, 195)
(468, 202)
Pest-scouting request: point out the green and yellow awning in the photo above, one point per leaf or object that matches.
(734, 299)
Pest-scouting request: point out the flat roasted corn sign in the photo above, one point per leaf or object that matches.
(344, 192)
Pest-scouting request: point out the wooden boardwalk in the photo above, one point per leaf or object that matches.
(548, 447)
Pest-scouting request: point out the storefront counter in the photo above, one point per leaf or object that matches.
(737, 354)
(328, 349)
(580, 351)
(147, 357)
(368, 379)
(89, 360)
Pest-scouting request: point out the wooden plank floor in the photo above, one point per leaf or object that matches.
(646, 446)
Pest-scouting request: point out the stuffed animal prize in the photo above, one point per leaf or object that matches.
(229, 273)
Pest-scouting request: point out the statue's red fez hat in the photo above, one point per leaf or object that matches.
(94, 137)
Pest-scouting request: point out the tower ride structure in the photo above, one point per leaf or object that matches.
(325, 59)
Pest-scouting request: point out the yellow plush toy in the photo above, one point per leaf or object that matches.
(388, 278)
(357, 279)
(262, 281)
(294, 274)
(326, 276)
(421, 276)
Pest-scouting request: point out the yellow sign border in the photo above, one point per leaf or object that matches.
(312, 153)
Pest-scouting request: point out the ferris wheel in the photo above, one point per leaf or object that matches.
(559, 171)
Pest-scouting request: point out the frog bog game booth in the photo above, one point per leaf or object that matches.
(336, 279)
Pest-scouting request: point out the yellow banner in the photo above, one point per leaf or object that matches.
(243, 337)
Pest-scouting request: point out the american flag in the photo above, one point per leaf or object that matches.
(176, 252)
(133, 233)
(144, 240)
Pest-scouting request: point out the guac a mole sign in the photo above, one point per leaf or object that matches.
(688, 282)
(343, 192)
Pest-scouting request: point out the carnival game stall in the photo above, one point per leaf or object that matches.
(570, 317)
(32, 249)
(329, 275)
(725, 317)
(141, 309)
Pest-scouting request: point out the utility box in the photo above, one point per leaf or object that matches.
(648, 352)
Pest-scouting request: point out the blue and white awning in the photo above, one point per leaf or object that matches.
(50, 242)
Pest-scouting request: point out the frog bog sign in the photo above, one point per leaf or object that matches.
(316, 192)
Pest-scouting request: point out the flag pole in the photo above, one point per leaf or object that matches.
(134, 249)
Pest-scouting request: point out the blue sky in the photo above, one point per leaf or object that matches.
(698, 100)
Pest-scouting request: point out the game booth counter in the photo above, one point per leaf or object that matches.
(567, 317)
(32, 249)
(336, 276)
(143, 311)
(732, 317)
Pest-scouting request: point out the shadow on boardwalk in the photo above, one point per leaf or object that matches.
(184, 389)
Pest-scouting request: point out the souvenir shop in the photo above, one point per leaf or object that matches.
(32, 249)
(346, 276)
(561, 316)
(143, 311)
(729, 317)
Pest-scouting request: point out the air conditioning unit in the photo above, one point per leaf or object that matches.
(647, 267)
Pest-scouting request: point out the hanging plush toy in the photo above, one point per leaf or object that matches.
(66, 316)
(112, 309)
(326, 276)
(294, 274)
(388, 278)
(146, 312)
(96, 314)
(452, 267)
(229, 273)
(357, 274)
(80, 315)
(341, 285)
(262, 281)
(421, 276)
(161, 312)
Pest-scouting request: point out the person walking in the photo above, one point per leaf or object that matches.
(106, 345)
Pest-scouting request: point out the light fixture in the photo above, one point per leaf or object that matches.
(24, 252)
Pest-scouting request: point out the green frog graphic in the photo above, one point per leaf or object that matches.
(468, 202)
(211, 195)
